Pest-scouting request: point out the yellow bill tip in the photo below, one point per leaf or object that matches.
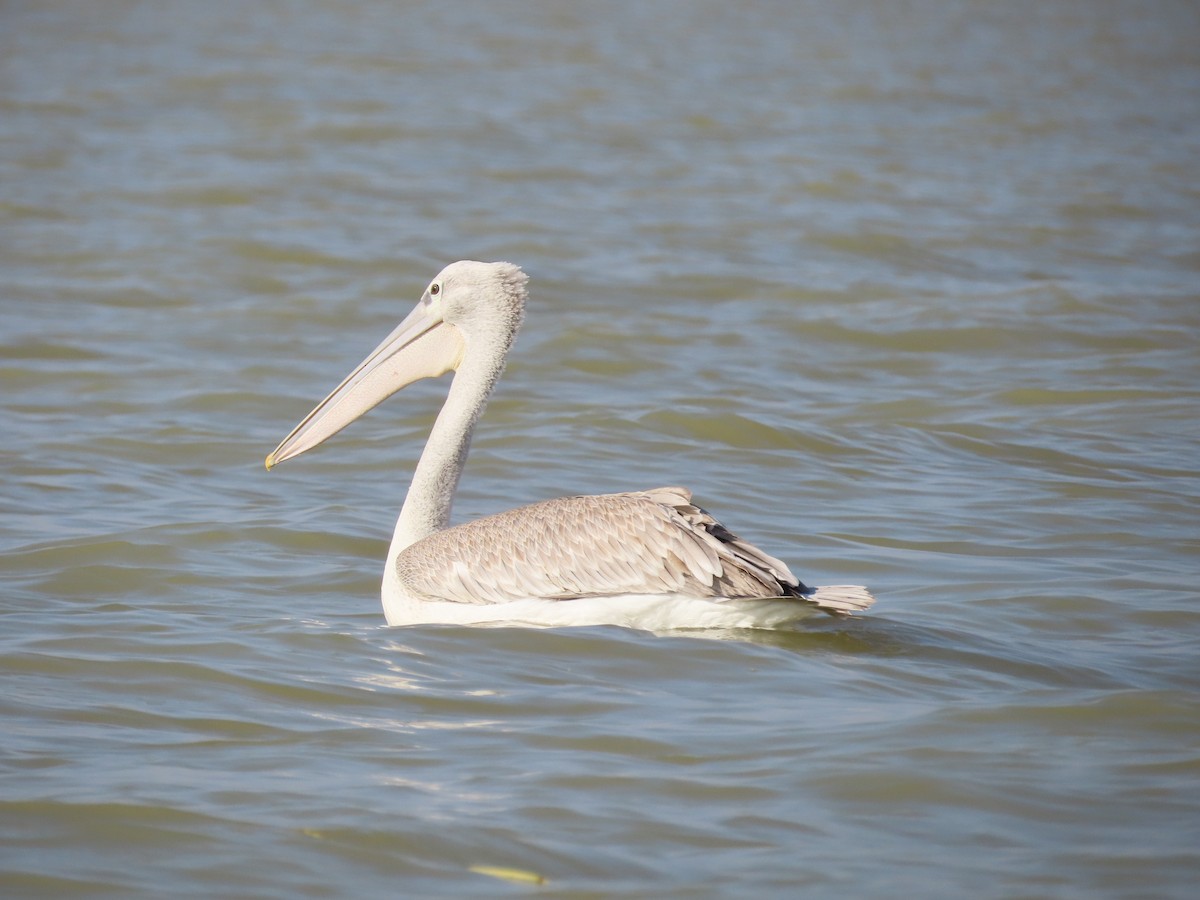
(271, 462)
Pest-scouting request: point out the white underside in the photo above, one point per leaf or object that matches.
(647, 612)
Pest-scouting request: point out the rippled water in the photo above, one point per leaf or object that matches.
(907, 293)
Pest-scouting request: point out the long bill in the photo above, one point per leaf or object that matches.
(422, 346)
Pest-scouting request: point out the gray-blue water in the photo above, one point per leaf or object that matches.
(908, 294)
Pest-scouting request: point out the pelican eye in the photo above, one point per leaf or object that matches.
(435, 289)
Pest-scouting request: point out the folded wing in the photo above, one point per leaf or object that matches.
(643, 542)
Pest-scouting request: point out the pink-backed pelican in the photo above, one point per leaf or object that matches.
(647, 559)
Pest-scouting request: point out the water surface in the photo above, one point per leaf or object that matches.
(909, 295)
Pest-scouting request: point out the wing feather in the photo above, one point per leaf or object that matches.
(645, 542)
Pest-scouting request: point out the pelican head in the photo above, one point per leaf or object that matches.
(470, 310)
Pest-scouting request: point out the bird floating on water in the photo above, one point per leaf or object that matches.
(647, 559)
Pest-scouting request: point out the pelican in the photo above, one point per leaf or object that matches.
(646, 559)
